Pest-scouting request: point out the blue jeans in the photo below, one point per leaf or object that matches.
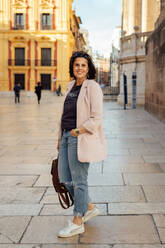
(73, 173)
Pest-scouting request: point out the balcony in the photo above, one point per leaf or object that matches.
(19, 62)
(19, 27)
(46, 26)
(45, 62)
(133, 45)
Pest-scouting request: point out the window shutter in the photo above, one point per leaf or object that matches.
(15, 20)
(50, 18)
(41, 20)
(23, 19)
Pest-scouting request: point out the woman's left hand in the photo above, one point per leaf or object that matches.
(73, 133)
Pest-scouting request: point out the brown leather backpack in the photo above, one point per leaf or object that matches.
(65, 197)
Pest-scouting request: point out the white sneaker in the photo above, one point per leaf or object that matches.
(71, 230)
(90, 214)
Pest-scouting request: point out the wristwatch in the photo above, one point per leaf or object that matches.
(77, 131)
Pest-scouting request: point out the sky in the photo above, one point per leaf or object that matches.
(99, 17)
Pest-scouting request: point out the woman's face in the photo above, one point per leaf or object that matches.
(80, 68)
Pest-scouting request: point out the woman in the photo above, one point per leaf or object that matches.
(81, 139)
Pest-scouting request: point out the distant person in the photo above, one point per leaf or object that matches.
(38, 90)
(17, 89)
(58, 91)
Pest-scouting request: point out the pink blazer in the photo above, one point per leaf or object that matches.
(91, 145)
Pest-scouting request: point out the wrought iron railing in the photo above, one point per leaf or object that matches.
(19, 62)
(19, 27)
(45, 62)
(46, 26)
(28, 62)
(111, 90)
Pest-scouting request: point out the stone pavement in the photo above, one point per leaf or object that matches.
(128, 187)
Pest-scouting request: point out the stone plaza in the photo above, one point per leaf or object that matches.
(128, 187)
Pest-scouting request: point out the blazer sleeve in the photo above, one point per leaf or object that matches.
(96, 108)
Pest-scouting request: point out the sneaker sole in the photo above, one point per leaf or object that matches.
(90, 216)
(76, 232)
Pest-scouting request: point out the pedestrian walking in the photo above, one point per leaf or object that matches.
(81, 139)
(58, 91)
(17, 89)
(38, 90)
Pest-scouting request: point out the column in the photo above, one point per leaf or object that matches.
(131, 15)
(150, 13)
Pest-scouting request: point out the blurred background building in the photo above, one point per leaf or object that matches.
(114, 58)
(155, 68)
(37, 38)
(102, 69)
(138, 19)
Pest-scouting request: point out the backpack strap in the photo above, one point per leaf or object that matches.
(65, 199)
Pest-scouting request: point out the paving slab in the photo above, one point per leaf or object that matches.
(105, 194)
(18, 195)
(118, 152)
(139, 246)
(132, 167)
(105, 179)
(147, 151)
(50, 197)
(120, 229)
(136, 208)
(19, 246)
(162, 166)
(132, 145)
(56, 209)
(93, 179)
(77, 246)
(160, 223)
(154, 159)
(20, 209)
(17, 181)
(154, 193)
(144, 179)
(47, 229)
(159, 220)
(12, 228)
(24, 169)
(124, 159)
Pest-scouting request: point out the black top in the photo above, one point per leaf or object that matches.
(38, 89)
(69, 116)
(17, 89)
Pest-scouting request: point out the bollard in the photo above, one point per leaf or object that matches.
(134, 90)
(125, 90)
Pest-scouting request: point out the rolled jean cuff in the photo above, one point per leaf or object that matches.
(78, 214)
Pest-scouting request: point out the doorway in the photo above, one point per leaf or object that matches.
(46, 81)
(20, 78)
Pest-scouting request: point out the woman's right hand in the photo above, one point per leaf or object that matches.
(58, 144)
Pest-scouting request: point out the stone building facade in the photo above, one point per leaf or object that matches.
(102, 69)
(138, 19)
(155, 68)
(37, 38)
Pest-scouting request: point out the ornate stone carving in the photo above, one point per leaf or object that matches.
(46, 4)
(20, 4)
(45, 1)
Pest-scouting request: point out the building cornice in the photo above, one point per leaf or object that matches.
(132, 59)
